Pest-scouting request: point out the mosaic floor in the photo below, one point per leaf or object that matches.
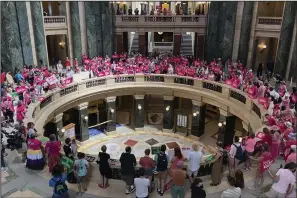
(139, 142)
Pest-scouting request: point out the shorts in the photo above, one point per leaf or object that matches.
(148, 172)
(274, 194)
(189, 172)
(128, 179)
(162, 174)
(80, 179)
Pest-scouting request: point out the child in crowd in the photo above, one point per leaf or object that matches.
(80, 170)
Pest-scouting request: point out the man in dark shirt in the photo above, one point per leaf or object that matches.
(128, 162)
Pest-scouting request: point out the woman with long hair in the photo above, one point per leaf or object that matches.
(216, 173)
(239, 180)
(52, 149)
(178, 156)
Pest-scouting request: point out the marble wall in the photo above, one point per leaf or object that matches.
(221, 26)
(293, 69)
(39, 36)
(245, 32)
(24, 32)
(100, 28)
(75, 30)
(285, 39)
(11, 46)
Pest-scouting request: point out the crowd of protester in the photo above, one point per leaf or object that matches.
(278, 138)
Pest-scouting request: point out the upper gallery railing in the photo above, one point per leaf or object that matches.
(214, 91)
(153, 20)
(54, 21)
(269, 23)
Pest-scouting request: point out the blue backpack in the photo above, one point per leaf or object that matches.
(82, 169)
(239, 152)
(60, 187)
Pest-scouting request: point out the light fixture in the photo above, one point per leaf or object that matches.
(196, 113)
(160, 33)
(58, 129)
(139, 107)
(111, 110)
(167, 108)
(220, 124)
(63, 130)
(188, 33)
(62, 44)
(224, 123)
(86, 118)
(262, 47)
(132, 33)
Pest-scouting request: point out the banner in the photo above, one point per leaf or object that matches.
(67, 81)
(20, 89)
(51, 80)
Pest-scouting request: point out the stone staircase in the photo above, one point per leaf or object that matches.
(135, 43)
(186, 45)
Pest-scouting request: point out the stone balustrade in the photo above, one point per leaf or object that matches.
(54, 22)
(225, 97)
(269, 23)
(190, 23)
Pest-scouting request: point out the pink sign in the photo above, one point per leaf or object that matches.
(20, 89)
(51, 80)
(260, 135)
(67, 81)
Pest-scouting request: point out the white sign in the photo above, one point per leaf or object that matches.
(70, 133)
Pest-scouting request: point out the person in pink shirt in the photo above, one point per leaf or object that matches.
(276, 142)
(261, 89)
(249, 148)
(20, 111)
(270, 120)
(289, 129)
(52, 149)
(292, 157)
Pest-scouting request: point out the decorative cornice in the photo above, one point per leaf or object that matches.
(83, 106)
(139, 97)
(168, 97)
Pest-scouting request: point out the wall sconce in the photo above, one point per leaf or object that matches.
(132, 33)
(62, 44)
(85, 119)
(160, 33)
(63, 130)
(224, 123)
(188, 33)
(220, 124)
(196, 113)
(139, 107)
(262, 47)
(111, 110)
(167, 108)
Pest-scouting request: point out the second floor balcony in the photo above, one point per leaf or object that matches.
(176, 21)
(55, 22)
(269, 23)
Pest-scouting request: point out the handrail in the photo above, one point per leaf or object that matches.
(210, 90)
(100, 124)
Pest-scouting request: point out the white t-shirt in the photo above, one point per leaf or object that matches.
(194, 160)
(233, 149)
(141, 185)
(286, 177)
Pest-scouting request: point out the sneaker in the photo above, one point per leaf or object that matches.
(132, 189)
(161, 193)
(4, 169)
(127, 191)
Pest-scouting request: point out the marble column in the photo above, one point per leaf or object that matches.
(200, 46)
(93, 25)
(220, 32)
(11, 46)
(226, 128)
(141, 41)
(120, 44)
(198, 118)
(177, 43)
(245, 32)
(168, 114)
(39, 35)
(111, 113)
(108, 28)
(139, 111)
(75, 30)
(58, 120)
(83, 133)
(83, 29)
(237, 30)
(293, 67)
(285, 39)
(23, 23)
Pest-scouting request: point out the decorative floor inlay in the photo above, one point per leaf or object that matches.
(131, 142)
(172, 145)
(152, 141)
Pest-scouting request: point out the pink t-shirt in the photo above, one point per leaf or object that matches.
(291, 158)
(250, 145)
(53, 148)
(34, 144)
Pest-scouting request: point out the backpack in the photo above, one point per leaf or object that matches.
(82, 169)
(239, 152)
(225, 157)
(60, 187)
(162, 162)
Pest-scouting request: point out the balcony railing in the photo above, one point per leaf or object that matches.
(53, 22)
(141, 21)
(269, 23)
